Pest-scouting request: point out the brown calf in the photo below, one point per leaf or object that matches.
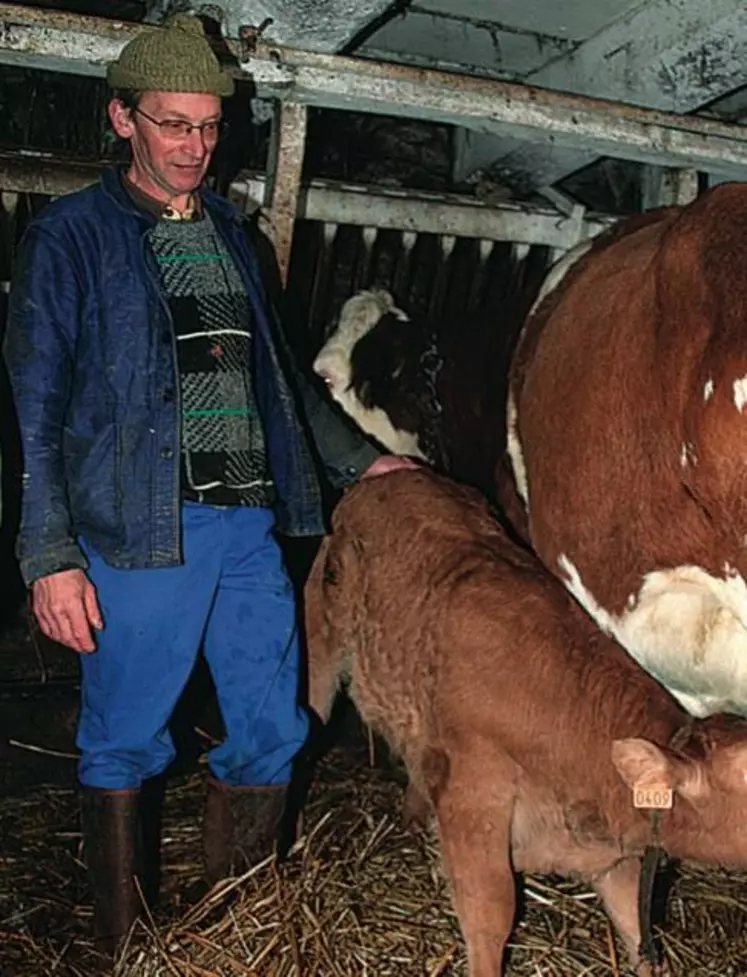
(523, 727)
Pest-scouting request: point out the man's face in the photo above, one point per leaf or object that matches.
(165, 163)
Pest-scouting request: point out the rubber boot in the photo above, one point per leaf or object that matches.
(240, 827)
(111, 845)
(152, 795)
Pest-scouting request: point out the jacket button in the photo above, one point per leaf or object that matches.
(168, 395)
(167, 454)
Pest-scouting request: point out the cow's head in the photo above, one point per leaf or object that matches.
(335, 365)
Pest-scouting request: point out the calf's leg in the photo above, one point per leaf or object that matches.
(416, 808)
(618, 890)
(325, 654)
(475, 846)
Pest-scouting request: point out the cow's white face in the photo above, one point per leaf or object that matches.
(358, 316)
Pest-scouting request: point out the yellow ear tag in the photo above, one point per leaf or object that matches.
(653, 797)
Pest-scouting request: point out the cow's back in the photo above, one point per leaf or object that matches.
(629, 438)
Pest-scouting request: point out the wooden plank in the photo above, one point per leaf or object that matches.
(285, 167)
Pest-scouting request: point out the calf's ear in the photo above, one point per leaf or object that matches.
(641, 763)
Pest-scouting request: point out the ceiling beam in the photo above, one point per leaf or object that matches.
(573, 19)
(665, 54)
(52, 40)
(316, 25)
(331, 81)
(550, 118)
(462, 44)
(671, 55)
(730, 108)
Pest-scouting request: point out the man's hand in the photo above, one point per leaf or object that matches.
(390, 463)
(66, 608)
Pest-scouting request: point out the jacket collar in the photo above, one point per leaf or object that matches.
(113, 186)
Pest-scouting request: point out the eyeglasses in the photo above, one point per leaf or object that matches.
(179, 129)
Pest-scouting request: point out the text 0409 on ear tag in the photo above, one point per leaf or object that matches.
(658, 798)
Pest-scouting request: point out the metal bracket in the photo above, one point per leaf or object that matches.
(265, 66)
(250, 35)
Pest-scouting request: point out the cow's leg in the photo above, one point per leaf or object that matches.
(618, 890)
(475, 846)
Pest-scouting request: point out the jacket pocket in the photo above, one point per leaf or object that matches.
(93, 479)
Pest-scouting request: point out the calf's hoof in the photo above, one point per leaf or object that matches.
(416, 810)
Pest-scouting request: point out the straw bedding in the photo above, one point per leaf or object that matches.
(358, 896)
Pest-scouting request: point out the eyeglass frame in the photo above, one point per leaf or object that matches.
(220, 125)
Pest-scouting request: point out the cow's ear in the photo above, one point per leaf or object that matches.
(333, 368)
(641, 763)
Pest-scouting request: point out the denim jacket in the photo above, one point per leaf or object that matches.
(91, 354)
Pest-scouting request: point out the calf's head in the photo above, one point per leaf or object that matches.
(707, 776)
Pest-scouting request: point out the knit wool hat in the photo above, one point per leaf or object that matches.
(174, 58)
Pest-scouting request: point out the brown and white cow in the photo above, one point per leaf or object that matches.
(523, 727)
(434, 390)
(627, 432)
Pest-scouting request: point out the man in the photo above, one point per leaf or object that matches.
(162, 450)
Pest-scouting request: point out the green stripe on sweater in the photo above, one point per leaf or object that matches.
(220, 412)
(164, 259)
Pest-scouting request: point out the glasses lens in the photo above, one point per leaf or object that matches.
(175, 129)
(211, 132)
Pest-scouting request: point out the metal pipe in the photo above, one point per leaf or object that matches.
(336, 203)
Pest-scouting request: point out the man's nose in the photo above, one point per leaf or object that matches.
(195, 142)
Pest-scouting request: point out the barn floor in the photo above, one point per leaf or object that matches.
(358, 895)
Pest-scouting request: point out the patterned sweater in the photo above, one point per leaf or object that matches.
(224, 459)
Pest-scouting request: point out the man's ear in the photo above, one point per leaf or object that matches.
(120, 117)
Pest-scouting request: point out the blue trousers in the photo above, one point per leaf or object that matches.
(232, 595)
